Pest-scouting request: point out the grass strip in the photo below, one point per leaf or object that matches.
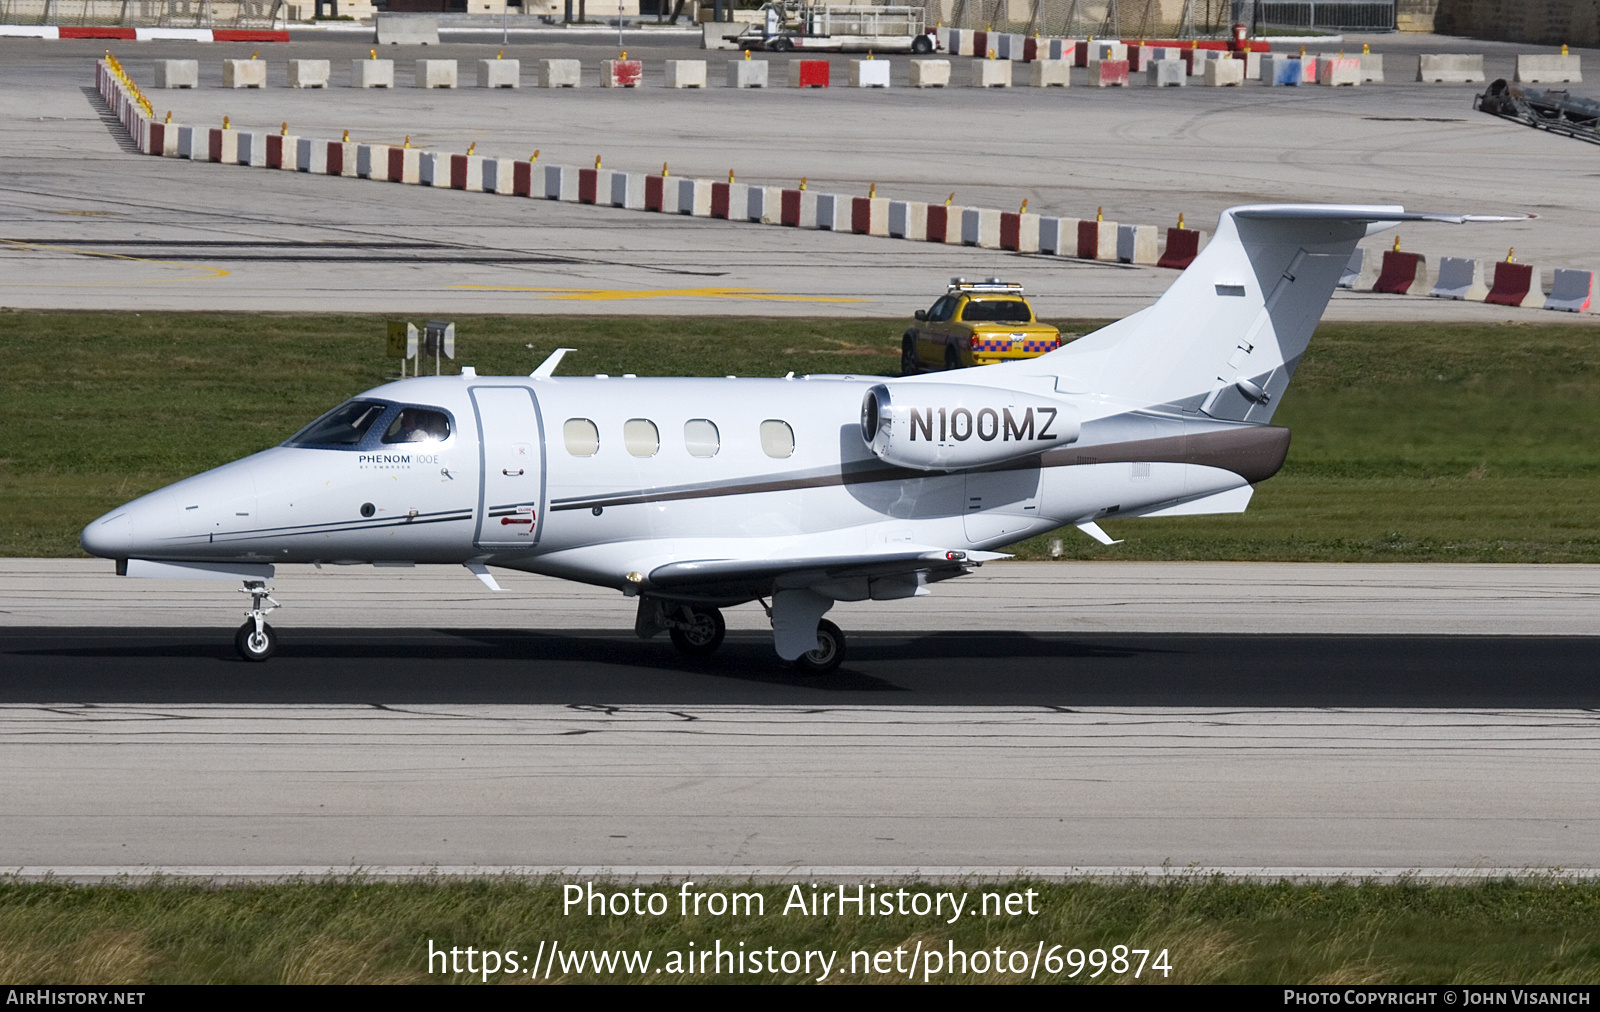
(1213, 931)
(1468, 443)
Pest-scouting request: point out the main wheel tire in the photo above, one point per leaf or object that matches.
(909, 365)
(921, 45)
(255, 646)
(704, 635)
(952, 358)
(829, 653)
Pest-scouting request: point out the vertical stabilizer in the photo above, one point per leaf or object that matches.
(1225, 339)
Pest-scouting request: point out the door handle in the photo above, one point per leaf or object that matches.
(510, 473)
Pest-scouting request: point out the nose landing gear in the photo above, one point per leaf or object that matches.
(255, 640)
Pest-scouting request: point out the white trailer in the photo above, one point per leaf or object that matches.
(788, 25)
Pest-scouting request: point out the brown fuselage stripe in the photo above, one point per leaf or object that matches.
(1254, 453)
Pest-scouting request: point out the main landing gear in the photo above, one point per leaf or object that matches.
(826, 656)
(698, 630)
(255, 640)
(829, 653)
(695, 630)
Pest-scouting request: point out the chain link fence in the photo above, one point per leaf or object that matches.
(1160, 19)
(1315, 15)
(142, 13)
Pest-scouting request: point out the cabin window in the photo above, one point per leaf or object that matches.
(640, 437)
(418, 425)
(777, 439)
(700, 435)
(581, 436)
(344, 426)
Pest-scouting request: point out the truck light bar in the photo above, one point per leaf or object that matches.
(991, 285)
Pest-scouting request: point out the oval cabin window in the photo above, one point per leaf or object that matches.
(777, 439)
(700, 435)
(640, 437)
(581, 436)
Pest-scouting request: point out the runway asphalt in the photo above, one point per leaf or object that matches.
(481, 750)
(90, 224)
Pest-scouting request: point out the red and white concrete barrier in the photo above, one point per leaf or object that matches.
(1516, 285)
(1019, 231)
(141, 34)
(1097, 240)
(466, 173)
(808, 73)
(621, 73)
(1402, 273)
(869, 215)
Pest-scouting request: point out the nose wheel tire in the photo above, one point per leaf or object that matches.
(699, 632)
(829, 653)
(253, 645)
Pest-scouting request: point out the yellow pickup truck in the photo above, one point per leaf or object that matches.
(975, 323)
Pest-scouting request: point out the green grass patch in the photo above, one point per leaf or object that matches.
(1542, 931)
(1411, 442)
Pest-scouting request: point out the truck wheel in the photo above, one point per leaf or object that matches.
(782, 45)
(952, 358)
(922, 44)
(909, 365)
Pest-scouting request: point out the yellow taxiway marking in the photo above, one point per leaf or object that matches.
(607, 294)
(215, 272)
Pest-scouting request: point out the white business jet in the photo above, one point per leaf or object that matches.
(694, 495)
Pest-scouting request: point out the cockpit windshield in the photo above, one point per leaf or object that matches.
(344, 426)
(418, 425)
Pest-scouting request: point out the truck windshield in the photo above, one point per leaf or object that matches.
(996, 311)
(344, 426)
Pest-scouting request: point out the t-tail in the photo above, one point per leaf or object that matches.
(1225, 339)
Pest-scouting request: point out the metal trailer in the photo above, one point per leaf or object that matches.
(1556, 111)
(788, 25)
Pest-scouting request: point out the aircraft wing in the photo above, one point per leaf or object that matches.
(759, 577)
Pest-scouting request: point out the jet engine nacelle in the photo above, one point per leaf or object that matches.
(947, 426)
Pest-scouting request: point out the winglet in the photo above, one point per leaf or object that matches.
(1093, 530)
(481, 571)
(547, 368)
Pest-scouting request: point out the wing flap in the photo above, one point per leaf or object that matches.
(701, 575)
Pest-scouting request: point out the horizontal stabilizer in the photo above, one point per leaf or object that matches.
(1234, 500)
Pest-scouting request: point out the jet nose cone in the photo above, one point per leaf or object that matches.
(111, 536)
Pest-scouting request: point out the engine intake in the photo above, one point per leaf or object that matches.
(948, 426)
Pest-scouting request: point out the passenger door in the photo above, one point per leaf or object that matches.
(511, 456)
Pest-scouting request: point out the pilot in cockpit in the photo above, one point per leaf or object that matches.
(418, 425)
